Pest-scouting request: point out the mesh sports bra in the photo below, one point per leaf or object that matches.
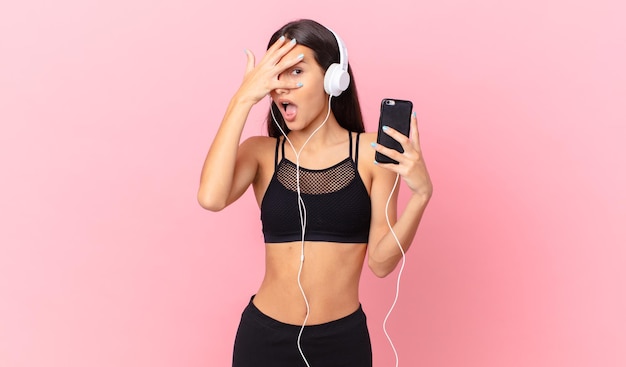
(338, 207)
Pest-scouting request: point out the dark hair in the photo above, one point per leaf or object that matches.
(322, 41)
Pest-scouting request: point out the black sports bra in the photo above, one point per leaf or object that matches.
(338, 207)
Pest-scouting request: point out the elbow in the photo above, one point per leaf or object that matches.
(210, 203)
(380, 269)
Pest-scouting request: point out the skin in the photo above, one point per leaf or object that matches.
(331, 271)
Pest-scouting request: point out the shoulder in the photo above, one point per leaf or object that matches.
(366, 167)
(368, 138)
(260, 140)
(367, 157)
(257, 145)
(260, 151)
(365, 146)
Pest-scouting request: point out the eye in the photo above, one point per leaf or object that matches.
(292, 73)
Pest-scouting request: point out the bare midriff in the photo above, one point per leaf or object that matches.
(330, 279)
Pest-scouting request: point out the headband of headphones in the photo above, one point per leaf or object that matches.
(337, 79)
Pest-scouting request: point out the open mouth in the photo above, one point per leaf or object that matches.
(290, 110)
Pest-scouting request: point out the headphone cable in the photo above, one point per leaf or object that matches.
(395, 300)
(302, 210)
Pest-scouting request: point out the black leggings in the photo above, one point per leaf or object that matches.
(264, 342)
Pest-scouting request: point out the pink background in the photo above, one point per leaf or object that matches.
(107, 109)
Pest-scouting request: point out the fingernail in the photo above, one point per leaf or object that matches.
(300, 85)
(373, 145)
(245, 51)
(375, 162)
(293, 41)
(282, 38)
(385, 128)
(301, 56)
(414, 114)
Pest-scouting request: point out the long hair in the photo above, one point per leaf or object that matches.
(322, 41)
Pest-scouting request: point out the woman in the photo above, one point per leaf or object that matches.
(327, 162)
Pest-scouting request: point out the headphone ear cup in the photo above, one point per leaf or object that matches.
(336, 80)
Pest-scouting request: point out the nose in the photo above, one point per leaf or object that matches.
(283, 77)
(281, 91)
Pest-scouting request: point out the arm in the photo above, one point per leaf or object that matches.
(383, 251)
(229, 169)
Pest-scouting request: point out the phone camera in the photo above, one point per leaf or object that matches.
(390, 102)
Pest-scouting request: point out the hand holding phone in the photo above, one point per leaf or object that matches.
(395, 113)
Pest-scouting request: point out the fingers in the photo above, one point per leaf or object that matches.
(286, 63)
(406, 142)
(399, 137)
(411, 165)
(274, 61)
(415, 135)
(410, 145)
(391, 153)
(278, 44)
(282, 86)
(273, 55)
(279, 49)
(261, 79)
(250, 63)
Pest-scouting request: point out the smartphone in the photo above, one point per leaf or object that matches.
(395, 113)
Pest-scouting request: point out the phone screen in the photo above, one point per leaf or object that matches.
(395, 113)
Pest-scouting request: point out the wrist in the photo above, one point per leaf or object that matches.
(241, 99)
(421, 197)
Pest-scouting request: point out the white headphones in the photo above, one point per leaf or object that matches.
(337, 79)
